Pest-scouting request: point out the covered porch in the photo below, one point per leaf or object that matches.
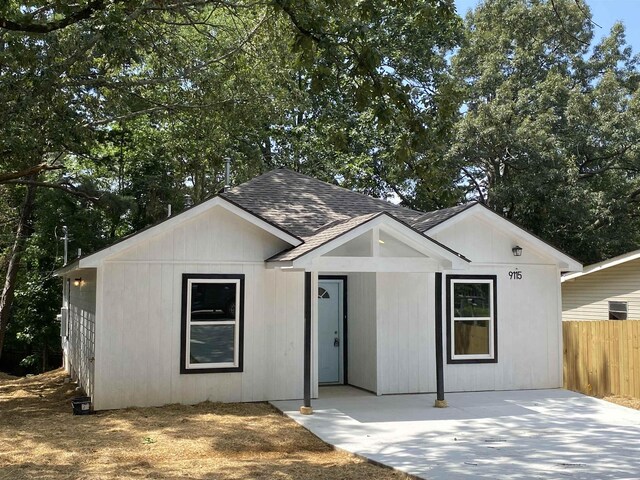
(373, 306)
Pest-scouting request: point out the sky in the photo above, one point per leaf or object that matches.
(605, 13)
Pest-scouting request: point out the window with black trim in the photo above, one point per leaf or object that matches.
(617, 310)
(471, 319)
(212, 323)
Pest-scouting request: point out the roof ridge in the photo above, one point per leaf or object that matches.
(332, 185)
(338, 221)
(252, 180)
(439, 210)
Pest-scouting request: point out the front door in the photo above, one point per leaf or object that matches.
(330, 330)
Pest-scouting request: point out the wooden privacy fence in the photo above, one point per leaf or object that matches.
(602, 357)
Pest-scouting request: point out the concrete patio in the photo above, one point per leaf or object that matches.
(517, 434)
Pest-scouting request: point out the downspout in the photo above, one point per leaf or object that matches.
(306, 408)
(440, 401)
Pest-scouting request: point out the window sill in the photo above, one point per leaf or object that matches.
(187, 371)
(463, 361)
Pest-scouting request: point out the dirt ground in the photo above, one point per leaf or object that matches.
(41, 439)
(624, 401)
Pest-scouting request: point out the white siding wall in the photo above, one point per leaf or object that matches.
(361, 322)
(529, 334)
(138, 348)
(406, 332)
(528, 316)
(138, 328)
(79, 344)
(587, 297)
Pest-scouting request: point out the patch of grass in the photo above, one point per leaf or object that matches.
(40, 438)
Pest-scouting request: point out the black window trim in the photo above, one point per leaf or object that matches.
(183, 328)
(470, 278)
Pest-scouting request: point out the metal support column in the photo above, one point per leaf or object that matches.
(440, 401)
(306, 409)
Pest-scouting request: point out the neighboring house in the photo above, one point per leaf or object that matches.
(609, 290)
(285, 282)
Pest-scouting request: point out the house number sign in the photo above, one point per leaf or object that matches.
(515, 275)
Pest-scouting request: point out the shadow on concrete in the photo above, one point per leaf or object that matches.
(520, 434)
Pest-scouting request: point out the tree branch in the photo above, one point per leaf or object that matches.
(564, 27)
(286, 8)
(64, 186)
(34, 170)
(478, 188)
(126, 116)
(75, 17)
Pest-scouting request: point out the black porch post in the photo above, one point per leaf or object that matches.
(306, 408)
(440, 401)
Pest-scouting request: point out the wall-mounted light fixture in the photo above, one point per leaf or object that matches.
(517, 251)
(77, 282)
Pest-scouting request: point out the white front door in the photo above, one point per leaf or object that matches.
(330, 326)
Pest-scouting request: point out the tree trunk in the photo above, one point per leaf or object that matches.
(267, 156)
(44, 358)
(22, 233)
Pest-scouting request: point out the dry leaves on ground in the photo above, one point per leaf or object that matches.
(624, 401)
(40, 438)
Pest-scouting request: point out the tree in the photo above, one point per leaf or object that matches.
(131, 104)
(550, 126)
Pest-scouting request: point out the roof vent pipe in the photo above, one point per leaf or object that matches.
(168, 210)
(227, 174)
(188, 201)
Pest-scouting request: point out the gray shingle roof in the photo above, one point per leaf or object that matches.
(302, 205)
(317, 212)
(431, 219)
(323, 236)
(313, 211)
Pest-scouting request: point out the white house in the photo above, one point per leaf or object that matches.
(608, 290)
(285, 283)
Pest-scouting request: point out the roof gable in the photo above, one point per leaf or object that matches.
(94, 259)
(519, 235)
(342, 232)
(308, 213)
(611, 262)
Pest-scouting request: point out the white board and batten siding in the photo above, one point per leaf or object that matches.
(398, 355)
(529, 344)
(361, 338)
(138, 343)
(587, 297)
(528, 311)
(78, 345)
(406, 333)
(391, 318)
(529, 340)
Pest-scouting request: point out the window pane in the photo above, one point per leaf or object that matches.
(213, 301)
(212, 343)
(617, 310)
(471, 300)
(471, 337)
(322, 293)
